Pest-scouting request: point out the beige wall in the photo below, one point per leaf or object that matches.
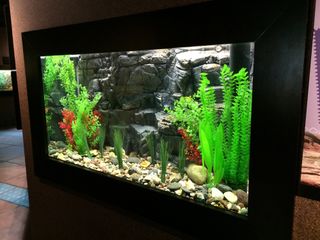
(59, 214)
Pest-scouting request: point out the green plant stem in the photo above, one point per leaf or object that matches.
(118, 143)
(164, 156)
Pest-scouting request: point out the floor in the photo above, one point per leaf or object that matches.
(13, 186)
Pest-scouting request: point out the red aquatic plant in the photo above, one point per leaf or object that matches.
(192, 151)
(66, 125)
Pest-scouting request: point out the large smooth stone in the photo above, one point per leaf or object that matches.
(231, 197)
(197, 174)
(216, 194)
(242, 197)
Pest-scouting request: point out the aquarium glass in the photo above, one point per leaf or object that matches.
(310, 171)
(5, 80)
(174, 120)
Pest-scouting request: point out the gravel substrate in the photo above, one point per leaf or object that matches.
(141, 170)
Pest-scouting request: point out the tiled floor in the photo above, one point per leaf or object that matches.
(13, 217)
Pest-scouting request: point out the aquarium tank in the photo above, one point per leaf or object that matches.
(5, 80)
(174, 120)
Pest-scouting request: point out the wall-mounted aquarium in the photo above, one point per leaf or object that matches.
(5, 80)
(176, 120)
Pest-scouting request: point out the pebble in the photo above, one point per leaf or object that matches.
(209, 200)
(200, 196)
(241, 205)
(187, 186)
(178, 192)
(224, 203)
(231, 197)
(149, 159)
(135, 177)
(243, 211)
(112, 155)
(94, 152)
(224, 188)
(133, 154)
(174, 186)
(52, 151)
(60, 144)
(114, 160)
(242, 197)
(216, 194)
(61, 156)
(197, 173)
(133, 160)
(176, 177)
(76, 157)
(192, 194)
(145, 164)
(131, 171)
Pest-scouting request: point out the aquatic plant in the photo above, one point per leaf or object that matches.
(78, 111)
(207, 97)
(186, 114)
(79, 131)
(54, 70)
(237, 159)
(84, 108)
(66, 126)
(182, 157)
(164, 156)
(192, 150)
(102, 138)
(218, 161)
(151, 146)
(118, 143)
(207, 146)
(197, 113)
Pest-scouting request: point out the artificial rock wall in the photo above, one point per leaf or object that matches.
(137, 85)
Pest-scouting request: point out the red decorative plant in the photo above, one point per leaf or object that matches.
(66, 125)
(192, 151)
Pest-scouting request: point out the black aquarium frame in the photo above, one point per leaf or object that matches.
(281, 31)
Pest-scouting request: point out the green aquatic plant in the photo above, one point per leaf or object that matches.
(102, 138)
(218, 161)
(55, 68)
(228, 80)
(186, 114)
(238, 154)
(118, 144)
(207, 146)
(164, 157)
(207, 97)
(151, 146)
(182, 157)
(76, 102)
(80, 132)
(84, 107)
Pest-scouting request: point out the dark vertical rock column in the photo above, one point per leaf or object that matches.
(240, 56)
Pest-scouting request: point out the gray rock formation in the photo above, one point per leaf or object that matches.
(137, 85)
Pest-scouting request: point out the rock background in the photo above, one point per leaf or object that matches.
(137, 85)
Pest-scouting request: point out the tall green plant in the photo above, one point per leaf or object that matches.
(237, 160)
(151, 146)
(164, 157)
(207, 97)
(219, 161)
(182, 157)
(80, 132)
(102, 137)
(207, 146)
(118, 143)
